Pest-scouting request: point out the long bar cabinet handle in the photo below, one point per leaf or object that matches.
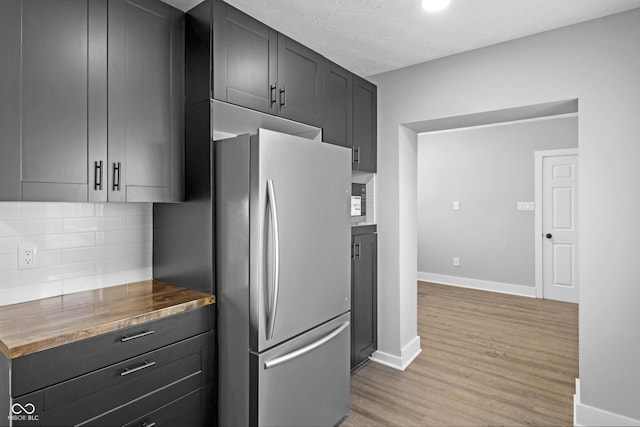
(97, 175)
(116, 176)
(133, 337)
(283, 97)
(128, 371)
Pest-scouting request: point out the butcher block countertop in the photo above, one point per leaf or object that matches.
(34, 326)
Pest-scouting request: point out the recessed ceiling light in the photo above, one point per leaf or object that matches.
(434, 5)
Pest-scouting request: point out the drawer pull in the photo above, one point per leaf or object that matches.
(151, 424)
(133, 337)
(128, 371)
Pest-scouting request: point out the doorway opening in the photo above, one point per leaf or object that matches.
(476, 201)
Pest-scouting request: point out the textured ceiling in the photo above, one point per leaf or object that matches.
(373, 36)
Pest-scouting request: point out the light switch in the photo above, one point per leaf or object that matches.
(526, 206)
(456, 205)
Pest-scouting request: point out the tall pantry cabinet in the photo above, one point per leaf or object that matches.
(91, 105)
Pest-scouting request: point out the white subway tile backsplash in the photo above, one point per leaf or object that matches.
(61, 241)
(73, 225)
(70, 256)
(48, 258)
(8, 262)
(121, 264)
(123, 209)
(9, 245)
(8, 279)
(56, 272)
(56, 210)
(79, 247)
(30, 292)
(139, 221)
(144, 247)
(30, 227)
(9, 211)
(97, 281)
(133, 235)
(138, 274)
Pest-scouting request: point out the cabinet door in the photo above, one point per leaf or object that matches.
(10, 27)
(244, 60)
(54, 100)
(364, 125)
(364, 328)
(337, 106)
(300, 72)
(146, 101)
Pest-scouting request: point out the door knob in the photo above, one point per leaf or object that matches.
(548, 236)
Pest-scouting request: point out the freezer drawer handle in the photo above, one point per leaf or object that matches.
(273, 306)
(304, 350)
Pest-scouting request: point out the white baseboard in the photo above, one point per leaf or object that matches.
(485, 285)
(407, 355)
(585, 415)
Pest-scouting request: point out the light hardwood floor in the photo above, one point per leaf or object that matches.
(487, 359)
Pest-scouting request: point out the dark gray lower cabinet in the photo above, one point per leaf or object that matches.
(166, 377)
(364, 301)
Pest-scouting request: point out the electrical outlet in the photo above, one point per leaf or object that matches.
(456, 261)
(27, 256)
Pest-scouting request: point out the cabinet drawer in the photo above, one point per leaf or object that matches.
(177, 368)
(185, 411)
(49, 367)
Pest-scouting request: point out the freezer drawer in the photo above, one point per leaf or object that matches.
(305, 381)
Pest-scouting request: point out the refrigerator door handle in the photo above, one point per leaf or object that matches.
(273, 304)
(307, 349)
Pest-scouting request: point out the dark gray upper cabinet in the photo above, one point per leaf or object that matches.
(44, 118)
(256, 67)
(364, 329)
(337, 104)
(54, 100)
(364, 125)
(300, 72)
(146, 101)
(92, 100)
(10, 28)
(245, 60)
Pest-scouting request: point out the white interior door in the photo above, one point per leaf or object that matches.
(560, 227)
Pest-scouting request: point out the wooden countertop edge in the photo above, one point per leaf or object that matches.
(68, 337)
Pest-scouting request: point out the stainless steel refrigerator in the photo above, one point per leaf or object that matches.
(283, 280)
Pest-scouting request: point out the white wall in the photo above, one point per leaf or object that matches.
(80, 246)
(598, 63)
(488, 170)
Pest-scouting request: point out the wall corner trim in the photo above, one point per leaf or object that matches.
(585, 415)
(484, 285)
(407, 355)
